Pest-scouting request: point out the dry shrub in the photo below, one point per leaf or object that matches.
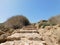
(16, 22)
(3, 29)
(55, 19)
(1, 26)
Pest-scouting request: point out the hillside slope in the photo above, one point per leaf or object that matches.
(50, 35)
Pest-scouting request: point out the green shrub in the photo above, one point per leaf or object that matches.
(46, 24)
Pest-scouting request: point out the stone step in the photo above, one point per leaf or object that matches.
(24, 42)
(30, 36)
(25, 31)
(28, 31)
(30, 27)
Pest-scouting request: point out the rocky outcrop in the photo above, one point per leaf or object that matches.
(51, 36)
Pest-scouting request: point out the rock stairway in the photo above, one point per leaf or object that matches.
(24, 37)
(28, 31)
(29, 34)
(30, 27)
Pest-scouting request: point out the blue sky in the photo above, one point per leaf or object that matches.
(34, 10)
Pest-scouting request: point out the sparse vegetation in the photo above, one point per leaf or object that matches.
(44, 23)
(55, 19)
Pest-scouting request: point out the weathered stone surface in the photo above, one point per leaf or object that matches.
(46, 36)
(23, 42)
(23, 35)
(52, 36)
